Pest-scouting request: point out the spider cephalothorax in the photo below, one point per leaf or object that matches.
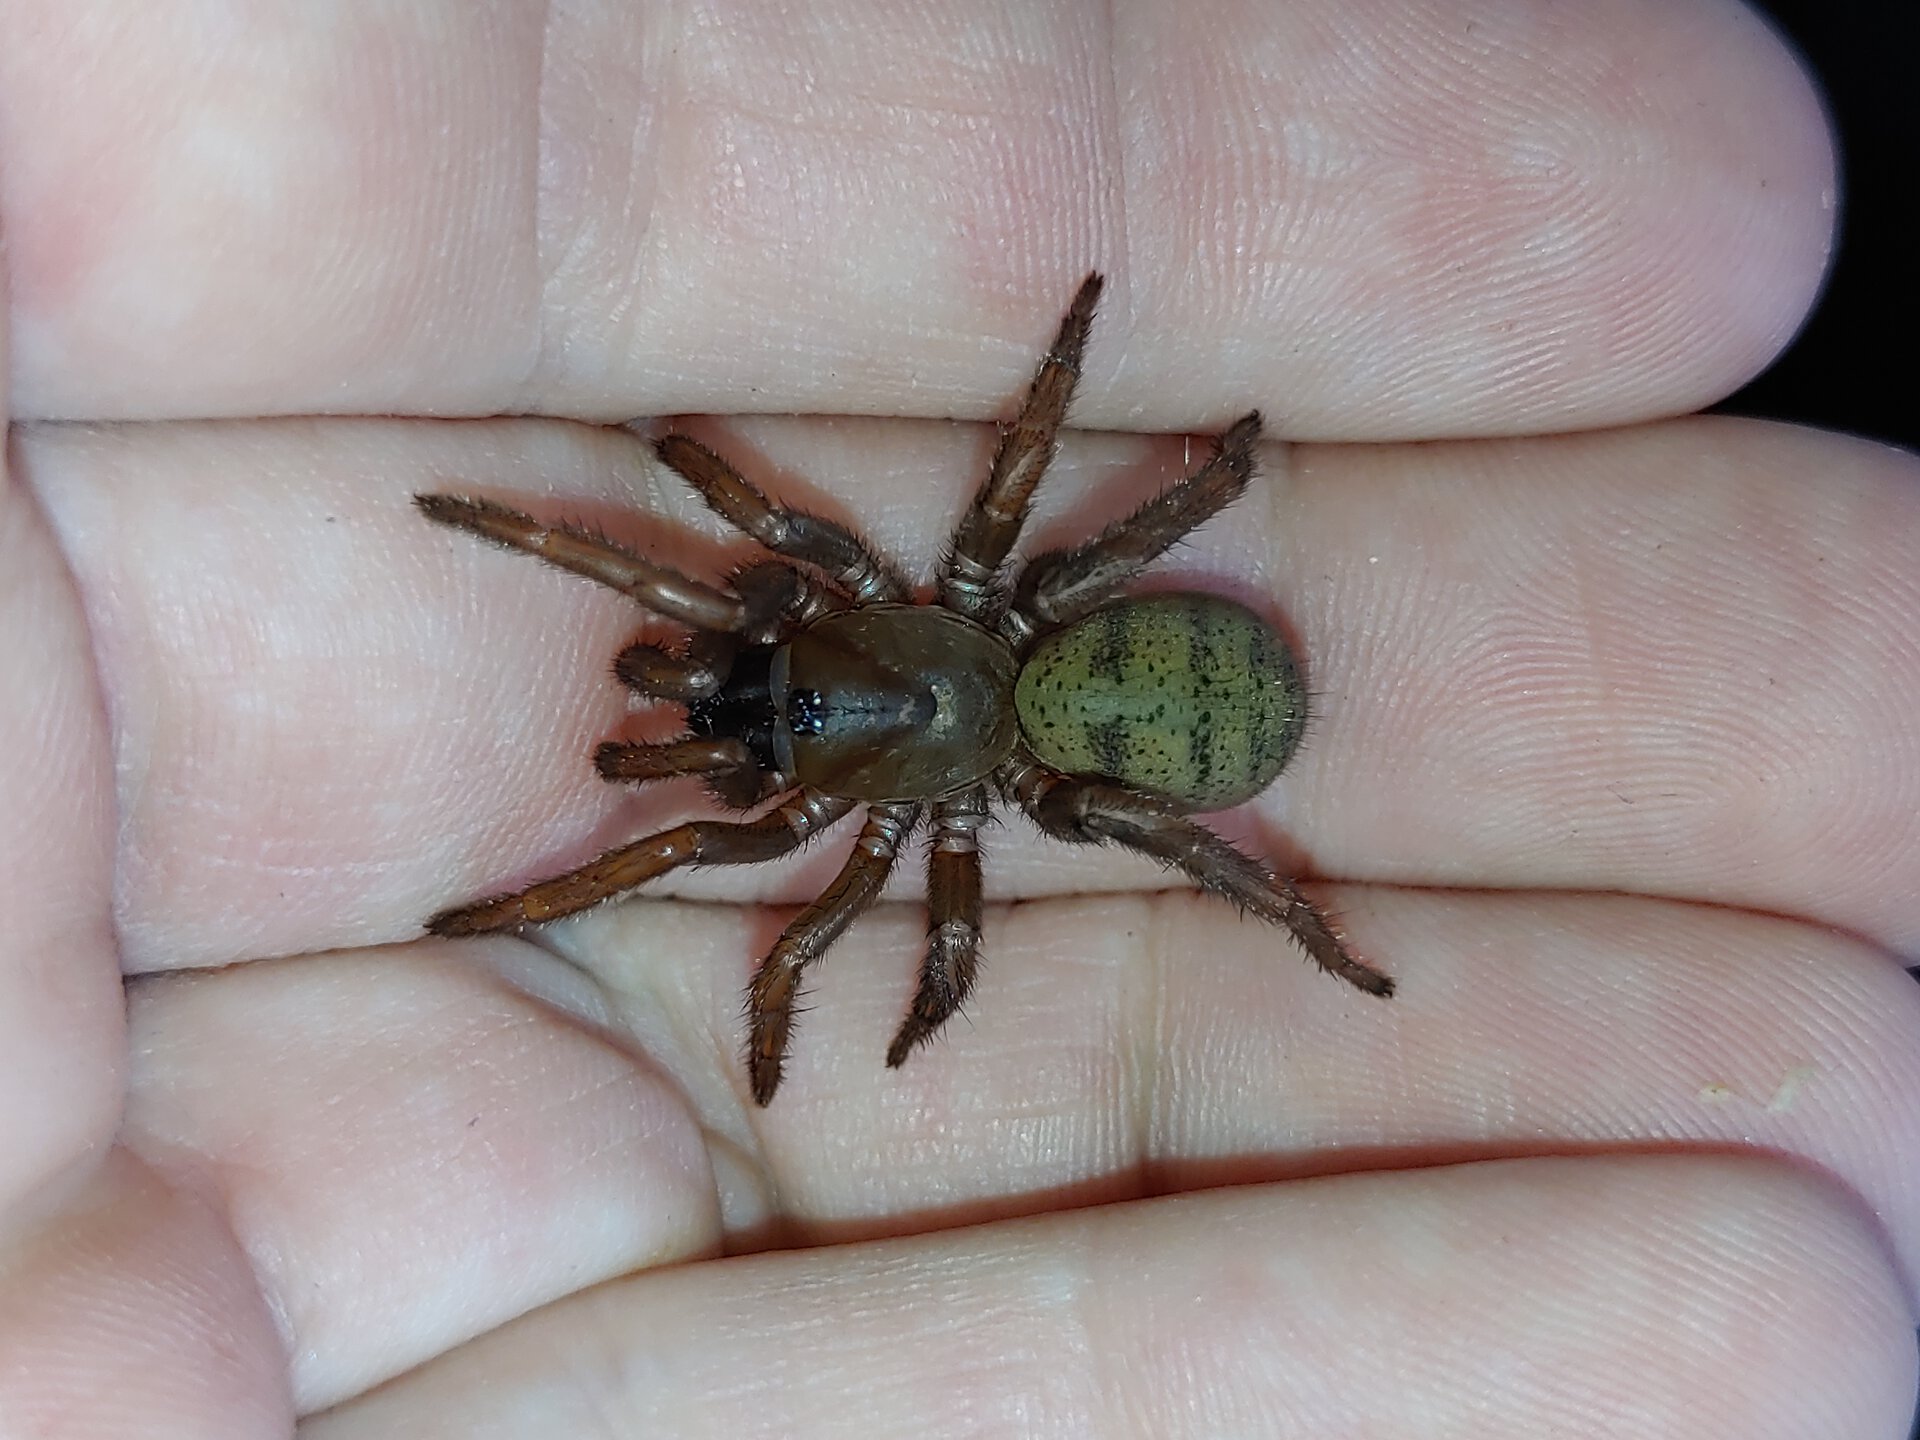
(815, 683)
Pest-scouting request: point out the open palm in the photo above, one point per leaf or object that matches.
(1615, 762)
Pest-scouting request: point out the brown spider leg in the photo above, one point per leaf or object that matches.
(1062, 585)
(618, 760)
(660, 589)
(734, 777)
(969, 580)
(783, 595)
(776, 983)
(843, 555)
(1093, 811)
(788, 826)
(778, 596)
(953, 921)
(659, 674)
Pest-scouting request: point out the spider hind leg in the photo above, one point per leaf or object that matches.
(952, 960)
(776, 984)
(1090, 811)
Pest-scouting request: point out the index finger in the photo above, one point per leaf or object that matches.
(1371, 221)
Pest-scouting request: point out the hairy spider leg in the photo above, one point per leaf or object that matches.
(787, 826)
(696, 672)
(831, 547)
(663, 590)
(1087, 810)
(970, 577)
(778, 597)
(631, 760)
(1058, 587)
(733, 775)
(776, 984)
(953, 920)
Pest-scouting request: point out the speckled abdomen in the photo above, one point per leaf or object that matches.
(1192, 696)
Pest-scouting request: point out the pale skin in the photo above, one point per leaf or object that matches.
(1615, 766)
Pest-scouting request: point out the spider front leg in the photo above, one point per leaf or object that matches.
(1093, 811)
(733, 775)
(696, 673)
(786, 827)
(953, 921)
(663, 590)
(1062, 585)
(776, 984)
(778, 598)
(823, 543)
(969, 580)
(629, 760)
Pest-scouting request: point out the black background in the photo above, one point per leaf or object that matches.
(1852, 367)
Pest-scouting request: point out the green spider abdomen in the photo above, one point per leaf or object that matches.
(1192, 696)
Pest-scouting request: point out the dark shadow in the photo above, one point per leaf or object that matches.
(1861, 53)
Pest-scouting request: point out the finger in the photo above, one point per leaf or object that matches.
(61, 1040)
(185, 1349)
(1115, 1048)
(1622, 661)
(1545, 664)
(133, 1313)
(344, 738)
(1597, 1296)
(409, 1150)
(1368, 221)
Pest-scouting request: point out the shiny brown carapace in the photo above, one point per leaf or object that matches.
(814, 684)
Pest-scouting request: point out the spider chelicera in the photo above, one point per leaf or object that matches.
(816, 683)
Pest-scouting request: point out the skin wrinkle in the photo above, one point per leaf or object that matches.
(602, 265)
(1114, 164)
(1149, 1089)
(546, 265)
(63, 1034)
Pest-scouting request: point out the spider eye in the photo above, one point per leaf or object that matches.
(806, 712)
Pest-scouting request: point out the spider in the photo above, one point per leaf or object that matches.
(815, 682)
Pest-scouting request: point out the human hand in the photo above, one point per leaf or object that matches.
(1614, 760)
